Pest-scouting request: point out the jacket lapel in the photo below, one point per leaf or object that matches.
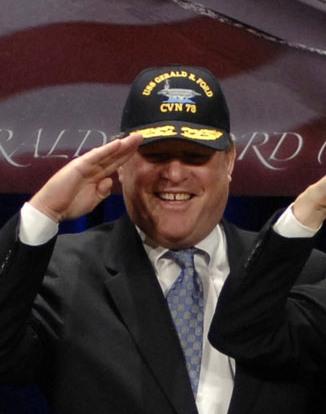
(138, 297)
(246, 386)
(239, 243)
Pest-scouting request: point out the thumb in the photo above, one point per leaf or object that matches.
(104, 188)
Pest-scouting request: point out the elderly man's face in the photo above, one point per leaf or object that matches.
(176, 191)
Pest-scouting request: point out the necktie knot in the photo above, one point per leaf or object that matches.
(184, 257)
(188, 276)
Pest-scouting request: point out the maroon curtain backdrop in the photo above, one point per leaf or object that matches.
(66, 67)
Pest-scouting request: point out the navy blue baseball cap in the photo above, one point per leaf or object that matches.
(178, 102)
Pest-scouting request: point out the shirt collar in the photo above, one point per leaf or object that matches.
(213, 246)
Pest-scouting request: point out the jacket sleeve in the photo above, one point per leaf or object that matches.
(21, 273)
(261, 319)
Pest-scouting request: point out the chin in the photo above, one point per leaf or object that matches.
(174, 239)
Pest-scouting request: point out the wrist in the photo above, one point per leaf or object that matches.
(308, 212)
(36, 202)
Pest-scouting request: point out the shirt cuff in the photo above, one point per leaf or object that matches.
(35, 227)
(289, 226)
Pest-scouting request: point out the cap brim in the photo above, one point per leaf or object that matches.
(201, 134)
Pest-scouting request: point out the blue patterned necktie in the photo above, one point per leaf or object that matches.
(185, 300)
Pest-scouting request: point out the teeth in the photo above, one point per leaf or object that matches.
(175, 196)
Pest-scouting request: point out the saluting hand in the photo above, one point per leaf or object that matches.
(83, 183)
(310, 206)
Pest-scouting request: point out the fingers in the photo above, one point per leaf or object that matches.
(104, 161)
(114, 150)
(113, 166)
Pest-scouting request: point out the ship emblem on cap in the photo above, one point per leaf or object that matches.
(177, 94)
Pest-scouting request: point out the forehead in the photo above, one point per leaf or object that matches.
(172, 146)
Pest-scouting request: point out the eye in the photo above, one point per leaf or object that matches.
(155, 157)
(196, 158)
(186, 157)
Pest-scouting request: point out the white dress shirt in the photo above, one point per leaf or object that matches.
(217, 370)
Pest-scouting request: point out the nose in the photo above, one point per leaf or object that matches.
(174, 170)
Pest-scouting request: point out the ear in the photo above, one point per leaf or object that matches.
(231, 156)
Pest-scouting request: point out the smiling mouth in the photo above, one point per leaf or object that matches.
(174, 196)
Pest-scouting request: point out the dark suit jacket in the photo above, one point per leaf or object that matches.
(271, 313)
(100, 337)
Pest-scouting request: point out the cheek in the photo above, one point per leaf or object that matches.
(136, 178)
(218, 191)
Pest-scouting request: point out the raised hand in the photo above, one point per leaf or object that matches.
(83, 183)
(310, 206)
